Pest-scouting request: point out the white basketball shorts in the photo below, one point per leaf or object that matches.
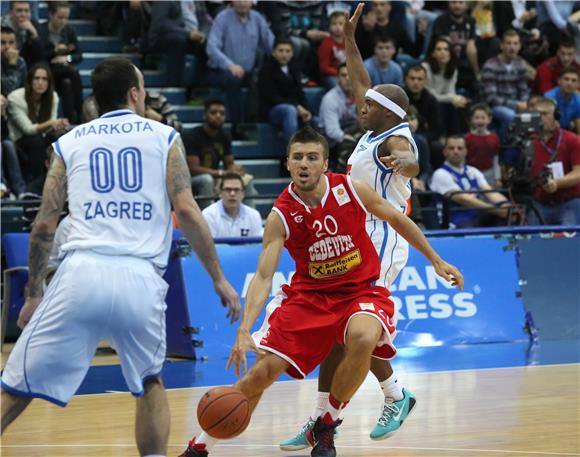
(90, 298)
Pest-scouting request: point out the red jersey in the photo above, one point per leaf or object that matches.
(482, 149)
(330, 244)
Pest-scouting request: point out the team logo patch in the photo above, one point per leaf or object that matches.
(340, 194)
(335, 267)
(367, 306)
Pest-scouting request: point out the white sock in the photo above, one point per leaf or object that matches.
(321, 402)
(209, 442)
(392, 390)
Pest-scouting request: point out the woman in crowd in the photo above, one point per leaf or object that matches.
(441, 67)
(61, 49)
(33, 122)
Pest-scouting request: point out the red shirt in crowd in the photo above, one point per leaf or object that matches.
(482, 149)
(565, 145)
(548, 74)
(331, 54)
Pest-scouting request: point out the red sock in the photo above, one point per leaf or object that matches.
(333, 410)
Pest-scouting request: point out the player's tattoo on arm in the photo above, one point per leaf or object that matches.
(42, 236)
(178, 176)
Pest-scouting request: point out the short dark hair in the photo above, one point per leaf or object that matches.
(382, 38)
(55, 5)
(212, 101)
(566, 42)
(455, 137)
(340, 65)
(14, 2)
(480, 107)
(231, 175)
(111, 80)
(6, 29)
(509, 33)
(282, 39)
(308, 135)
(335, 14)
(416, 68)
(570, 70)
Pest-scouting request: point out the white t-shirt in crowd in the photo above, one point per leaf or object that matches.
(221, 225)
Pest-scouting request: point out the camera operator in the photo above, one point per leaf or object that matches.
(555, 170)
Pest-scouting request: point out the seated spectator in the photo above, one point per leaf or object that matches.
(281, 98)
(229, 217)
(136, 15)
(237, 34)
(455, 176)
(567, 99)
(553, 20)
(428, 108)
(378, 22)
(303, 23)
(157, 107)
(13, 66)
(486, 40)
(178, 28)
(549, 72)
(555, 171)
(207, 146)
(331, 51)
(61, 49)
(517, 15)
(26, 29)
(11, 174)
(381, 66)
(339, 120)
(426, 170)
(441, 68)
(419, 22)
(483, 146)
(504, 82)
(459, 26)
(32, 112)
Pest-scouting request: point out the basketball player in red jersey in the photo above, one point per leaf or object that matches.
(320, 219)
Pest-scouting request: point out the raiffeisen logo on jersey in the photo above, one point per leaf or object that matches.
(419, 293)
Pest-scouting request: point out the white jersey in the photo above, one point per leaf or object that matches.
(116, 172)
(364, 165)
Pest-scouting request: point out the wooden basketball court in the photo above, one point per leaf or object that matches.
(525, 411)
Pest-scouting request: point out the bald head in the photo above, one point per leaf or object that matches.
(394, 93)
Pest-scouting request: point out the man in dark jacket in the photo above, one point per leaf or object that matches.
(282, 100)
(13, 66)
(20, 20)
(178, 28)
(428, 109)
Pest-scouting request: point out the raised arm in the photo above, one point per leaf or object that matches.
(259, 290)
(42, 235)
(359, 76)
(195, 227)
(408, 230)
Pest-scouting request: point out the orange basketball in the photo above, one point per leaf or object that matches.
(223, 412)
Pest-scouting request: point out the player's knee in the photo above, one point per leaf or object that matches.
(359, 341)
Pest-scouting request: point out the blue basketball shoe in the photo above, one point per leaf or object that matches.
(393, 416)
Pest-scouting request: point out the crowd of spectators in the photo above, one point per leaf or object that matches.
(469, 68)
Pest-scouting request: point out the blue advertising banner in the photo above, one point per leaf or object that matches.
(431, 312)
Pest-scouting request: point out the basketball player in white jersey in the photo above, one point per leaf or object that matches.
(121, 174)
(386, 157)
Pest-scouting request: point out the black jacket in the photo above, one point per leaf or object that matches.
(429, 114)
(275, 87)
(68, 36)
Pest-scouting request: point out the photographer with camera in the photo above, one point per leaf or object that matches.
(555, 170)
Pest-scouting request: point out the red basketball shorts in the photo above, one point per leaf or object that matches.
(302, 327)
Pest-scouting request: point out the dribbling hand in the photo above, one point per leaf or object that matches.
(244, 343)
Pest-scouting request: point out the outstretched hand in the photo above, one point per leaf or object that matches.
(450, 273)
(352, 21)
(229, 298)
(244, 343)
